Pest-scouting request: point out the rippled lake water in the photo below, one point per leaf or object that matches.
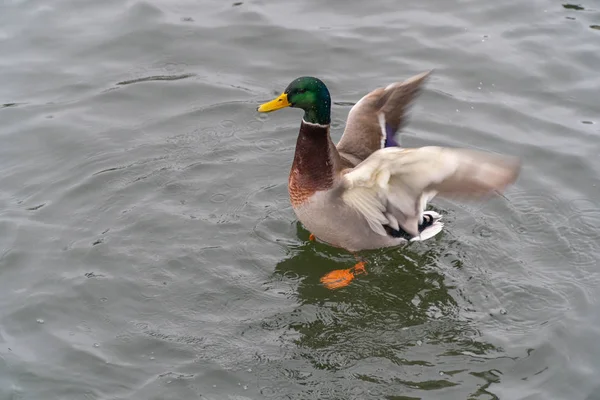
(148, 249)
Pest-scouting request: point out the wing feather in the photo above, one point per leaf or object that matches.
(393, 185)
(378, 117)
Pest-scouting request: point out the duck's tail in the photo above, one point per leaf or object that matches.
(430, 227)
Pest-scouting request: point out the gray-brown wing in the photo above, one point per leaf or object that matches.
(374, 121)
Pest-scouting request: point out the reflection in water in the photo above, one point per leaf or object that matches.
(398, 328)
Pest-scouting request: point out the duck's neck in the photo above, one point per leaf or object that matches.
(316, 162)
(319, 113)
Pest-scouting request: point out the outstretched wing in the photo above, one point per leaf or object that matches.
(374, 121)
(393, 185)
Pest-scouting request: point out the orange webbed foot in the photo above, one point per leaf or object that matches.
(311, 237)
(342, 277)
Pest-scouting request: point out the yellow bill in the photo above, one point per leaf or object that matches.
(275, 104)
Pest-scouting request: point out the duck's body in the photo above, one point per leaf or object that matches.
(315, 189)
(366, 192)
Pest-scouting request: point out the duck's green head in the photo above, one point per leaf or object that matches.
(307, 93)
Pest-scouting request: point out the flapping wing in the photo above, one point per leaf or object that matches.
(374, 121)
(393, 185)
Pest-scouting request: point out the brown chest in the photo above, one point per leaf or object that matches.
(313, 167)
(299, 190)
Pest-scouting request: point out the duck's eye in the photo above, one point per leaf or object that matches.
(301, 90)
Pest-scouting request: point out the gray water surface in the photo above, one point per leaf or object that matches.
(148, 249)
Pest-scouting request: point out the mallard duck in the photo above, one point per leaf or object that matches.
(367, 192)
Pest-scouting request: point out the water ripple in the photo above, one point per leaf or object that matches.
(156, 78)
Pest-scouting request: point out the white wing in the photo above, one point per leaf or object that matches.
(393, 185)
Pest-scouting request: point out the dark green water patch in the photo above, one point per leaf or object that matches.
(573, 7)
